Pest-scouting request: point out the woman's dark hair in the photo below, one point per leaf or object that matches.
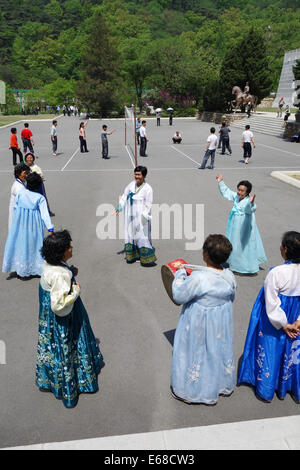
(218, 248)
(291, 241)
(34, 181)
(141, 169)
(19, 168)
(55, 246)
(247, 184)
(27, 155)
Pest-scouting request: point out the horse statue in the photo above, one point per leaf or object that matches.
(242, 99)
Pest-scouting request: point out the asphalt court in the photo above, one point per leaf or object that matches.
(129, 310)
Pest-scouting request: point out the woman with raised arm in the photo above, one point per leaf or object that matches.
(248, 251)
(82, 136)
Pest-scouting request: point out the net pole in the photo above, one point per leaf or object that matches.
(134, 136)
(125, 128)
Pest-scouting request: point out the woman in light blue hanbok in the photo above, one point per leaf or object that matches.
(247, 247)
(271, 358)
(25, 238)
(68, 357)
(203, 365)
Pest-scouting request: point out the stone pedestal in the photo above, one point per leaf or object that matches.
(217, 118)
(292, 128)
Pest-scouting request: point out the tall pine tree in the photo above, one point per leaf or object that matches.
(255, 64)
(99, 86)
(246, 62)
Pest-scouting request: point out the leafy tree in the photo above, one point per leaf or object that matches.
(136, 65)
(255, 64)
(99, 85)
(61, 91)
(246, 62)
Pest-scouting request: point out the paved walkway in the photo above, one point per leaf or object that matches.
(134, 399)
(264, 434)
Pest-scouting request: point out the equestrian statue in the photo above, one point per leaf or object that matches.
(243, 98)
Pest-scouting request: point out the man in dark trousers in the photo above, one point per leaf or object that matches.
(104, 134)
(144, 139)
(27, 138)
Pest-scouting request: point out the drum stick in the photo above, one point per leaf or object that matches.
(194, 267)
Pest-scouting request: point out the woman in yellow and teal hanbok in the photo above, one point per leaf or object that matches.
(68, 357)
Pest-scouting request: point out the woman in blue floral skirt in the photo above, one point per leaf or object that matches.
(271, 358)
(68, 357)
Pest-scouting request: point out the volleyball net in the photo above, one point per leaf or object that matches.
(130, 133)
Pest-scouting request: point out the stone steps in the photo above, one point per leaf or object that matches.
(263, 124)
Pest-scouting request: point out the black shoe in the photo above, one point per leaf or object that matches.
(51, 214)
(201, 168)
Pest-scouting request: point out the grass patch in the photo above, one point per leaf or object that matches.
(274, 110)
(4, 120)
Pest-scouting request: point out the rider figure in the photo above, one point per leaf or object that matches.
(246, 91)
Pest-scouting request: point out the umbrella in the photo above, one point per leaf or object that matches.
(158, 110)
(170, 109)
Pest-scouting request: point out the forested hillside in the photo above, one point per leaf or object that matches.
(175, 45)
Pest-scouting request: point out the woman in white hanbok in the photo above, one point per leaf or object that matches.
(137, 204)
(203, 365)
(271, 357)
(21, 171)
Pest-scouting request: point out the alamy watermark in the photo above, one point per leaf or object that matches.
(176, 221)
(2, 353)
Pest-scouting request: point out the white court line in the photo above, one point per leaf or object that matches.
(130, 156)
(292, 168)
(197, 163)
(279, 150)
(77, 150)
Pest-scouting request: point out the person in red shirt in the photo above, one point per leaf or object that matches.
(27, 139)
(14, 147)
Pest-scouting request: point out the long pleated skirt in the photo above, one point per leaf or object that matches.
(271, 360)
(68, 357)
